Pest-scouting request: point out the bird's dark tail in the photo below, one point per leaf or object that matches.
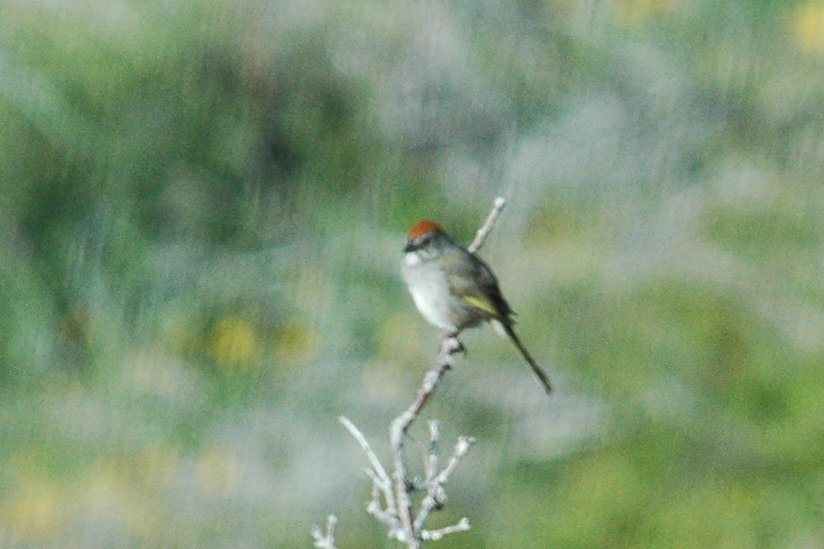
(531, 361)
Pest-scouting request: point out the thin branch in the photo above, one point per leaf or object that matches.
(435, 535)
(431, 464)
(461, 448)
(367, 449)
(449, 345)
(435, 493)
(325, 540)
(483, 232)
(381, 483)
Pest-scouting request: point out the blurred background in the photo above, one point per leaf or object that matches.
(202, 207)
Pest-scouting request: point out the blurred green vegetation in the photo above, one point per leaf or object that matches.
(202, 207)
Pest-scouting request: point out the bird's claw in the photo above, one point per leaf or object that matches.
(457, 345)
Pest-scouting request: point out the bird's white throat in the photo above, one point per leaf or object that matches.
(412, 259)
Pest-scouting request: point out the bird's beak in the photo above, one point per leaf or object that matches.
(410, 247)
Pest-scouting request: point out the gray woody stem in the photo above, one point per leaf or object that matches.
(402, 423)
(483, 232)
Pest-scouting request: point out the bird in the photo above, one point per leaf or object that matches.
(454, 289)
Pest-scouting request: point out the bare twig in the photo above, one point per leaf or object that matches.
(435, 535)
(449, 345)
(381, 483)
(483, 232)
(325, 540)
(431, 464)
(395, 511)
(367, 449)
(435, 493)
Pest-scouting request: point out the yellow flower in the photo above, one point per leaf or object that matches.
(35, 515)
(233, 341)
(807, 27)
(296, 344)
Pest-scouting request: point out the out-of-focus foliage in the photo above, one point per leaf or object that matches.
(202, 205)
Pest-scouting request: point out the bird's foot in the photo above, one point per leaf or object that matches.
(450, 344)
(456, 345)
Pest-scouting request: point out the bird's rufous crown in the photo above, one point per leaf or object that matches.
(422, 227)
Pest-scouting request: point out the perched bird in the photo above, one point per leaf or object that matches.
(454, 289)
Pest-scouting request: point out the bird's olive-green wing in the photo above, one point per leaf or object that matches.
(474, 282)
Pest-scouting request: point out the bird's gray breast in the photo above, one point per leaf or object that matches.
(430, 290)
